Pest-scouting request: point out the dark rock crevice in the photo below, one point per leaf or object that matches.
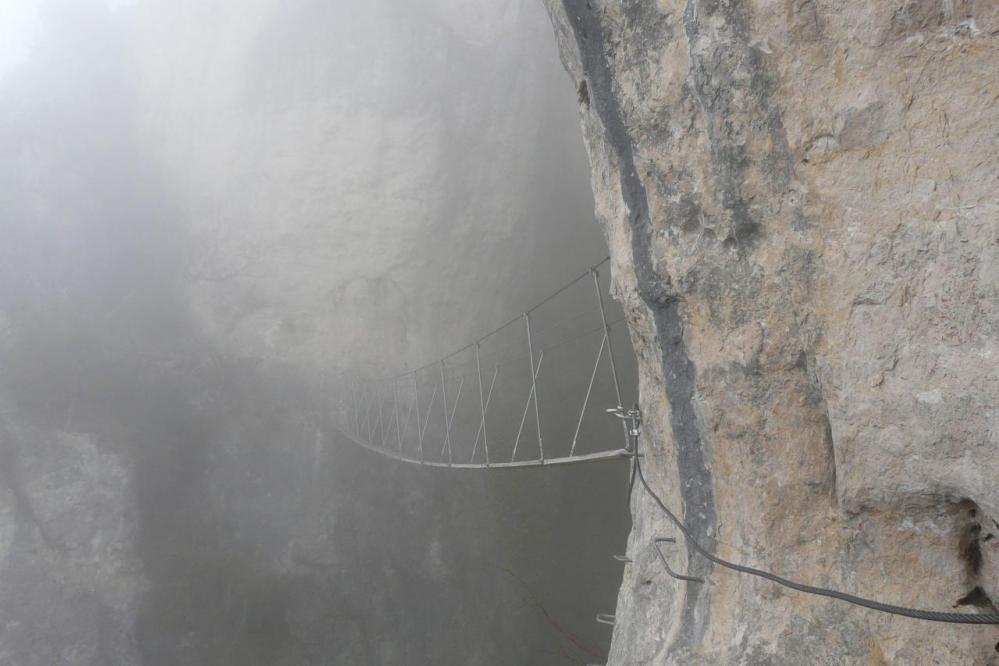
(838, 436)
(656, 291)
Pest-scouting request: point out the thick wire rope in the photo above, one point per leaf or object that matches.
(504, 354)
(513, 357)
(932, 616)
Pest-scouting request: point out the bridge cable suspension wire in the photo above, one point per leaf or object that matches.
(371, 427)
(365, 419)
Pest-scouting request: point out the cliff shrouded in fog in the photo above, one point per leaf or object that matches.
(210, 208)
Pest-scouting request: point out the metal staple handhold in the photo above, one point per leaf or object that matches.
(678, 576)
(622, 558)
(606, 618)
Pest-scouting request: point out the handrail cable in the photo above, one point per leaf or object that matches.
(512, 321)
(919, 614)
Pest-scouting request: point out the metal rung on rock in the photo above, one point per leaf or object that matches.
(662, 558)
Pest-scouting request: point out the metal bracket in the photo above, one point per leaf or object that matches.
(632, 420)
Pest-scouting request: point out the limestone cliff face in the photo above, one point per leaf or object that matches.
(800, 200)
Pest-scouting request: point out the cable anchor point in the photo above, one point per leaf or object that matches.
(656, 543)
(633, 423)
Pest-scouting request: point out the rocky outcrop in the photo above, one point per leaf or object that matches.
(800, 203)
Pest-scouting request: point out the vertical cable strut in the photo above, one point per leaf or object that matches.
(416, 402)
(527, 406)
(447, 427)
(610, 347)
(381, 417)
(426, 421)
(450, 423)
(365, 391)
(489, 397)
(534, 386)
(357, 407)
(395, 397)
(482, 408)
(589, 389)
(353, 405)
(384, 420)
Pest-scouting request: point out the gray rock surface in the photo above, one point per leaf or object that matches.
(800, 199)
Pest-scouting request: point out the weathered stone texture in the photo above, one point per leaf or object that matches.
(800, 199)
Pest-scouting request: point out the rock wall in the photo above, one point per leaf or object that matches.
(800, 203)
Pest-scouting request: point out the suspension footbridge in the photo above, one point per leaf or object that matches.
(536, 392)
(532, 392)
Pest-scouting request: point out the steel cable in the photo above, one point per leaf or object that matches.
(510, 322)
(933, 616)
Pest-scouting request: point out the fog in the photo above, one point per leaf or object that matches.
(210, 211)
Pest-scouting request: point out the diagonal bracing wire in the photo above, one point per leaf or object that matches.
(373, 398)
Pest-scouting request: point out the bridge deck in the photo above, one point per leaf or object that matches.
(616, 454)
